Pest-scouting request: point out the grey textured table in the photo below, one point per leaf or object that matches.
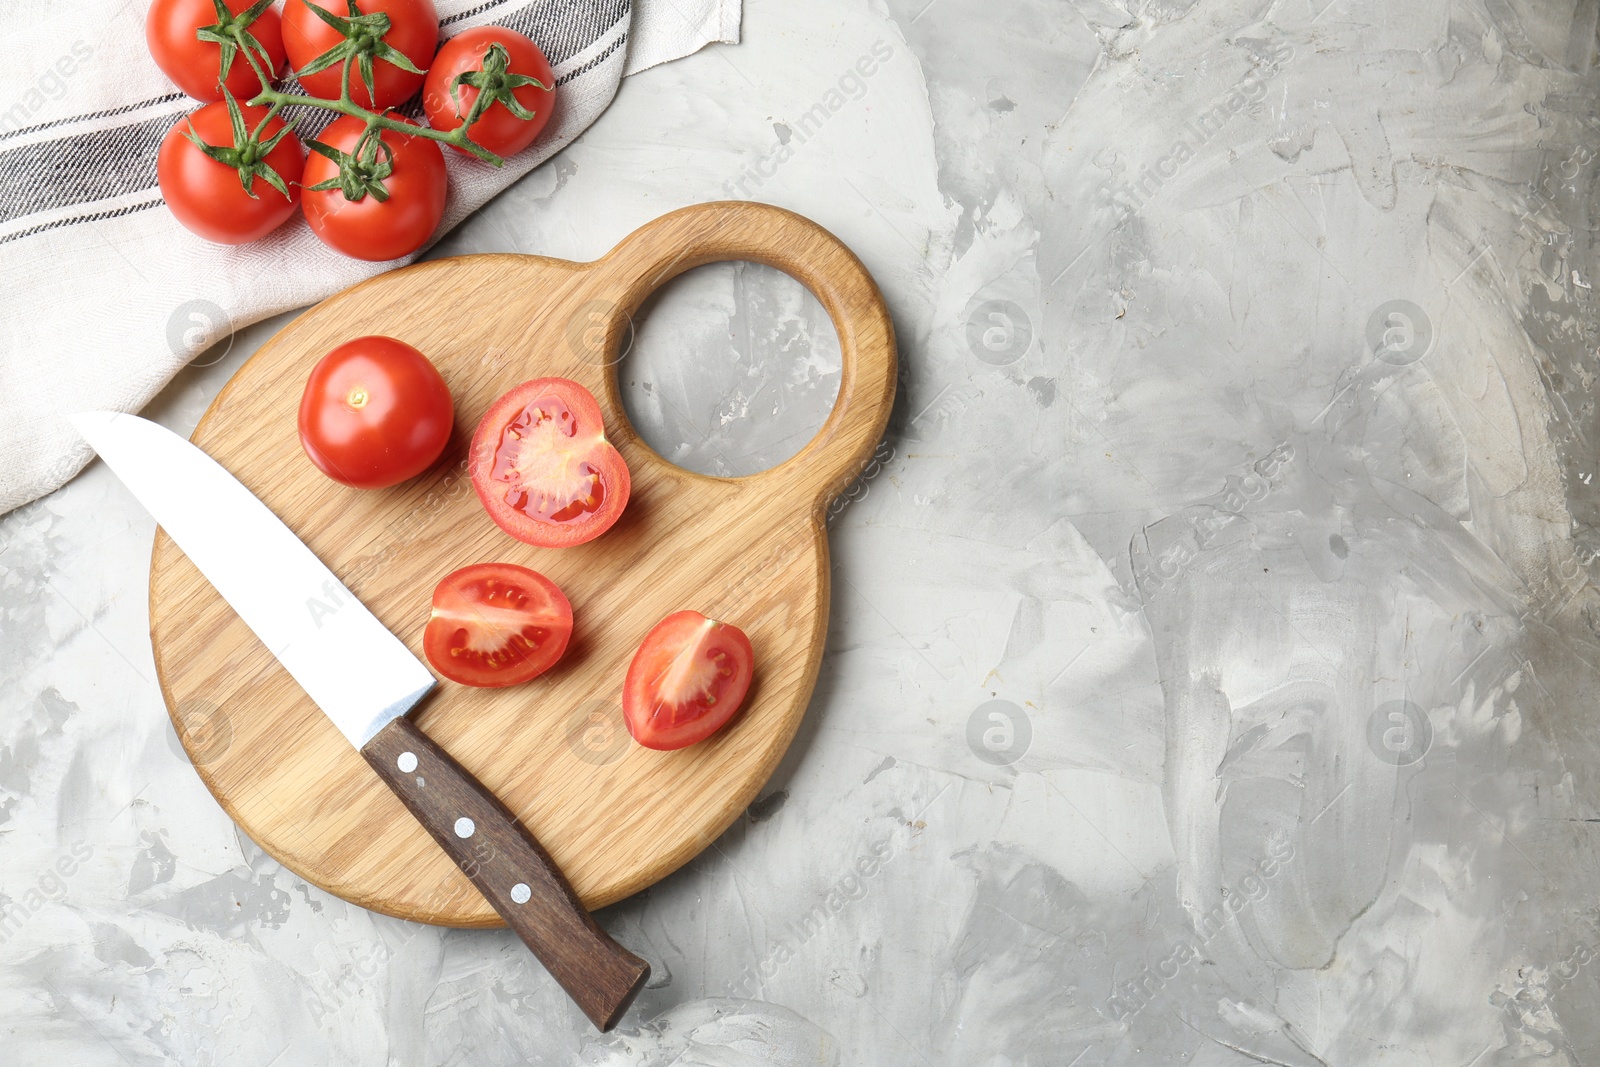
(1210, 677)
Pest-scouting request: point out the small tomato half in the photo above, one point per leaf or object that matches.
(496, 624)
(686, 681)
(543, 468)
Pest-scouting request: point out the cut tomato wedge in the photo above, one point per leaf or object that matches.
(686, 681)
(543, 468)
(496, 624)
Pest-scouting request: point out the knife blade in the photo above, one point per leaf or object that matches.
(365, 680)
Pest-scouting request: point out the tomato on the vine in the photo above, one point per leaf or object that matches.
(464, 70)
(689, 676)
(192, 41)
(496, 624)
(243, 184)
(375, 412)
(401, 190)
(312, 41)
(543, 468)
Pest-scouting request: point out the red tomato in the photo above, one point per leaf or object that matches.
(686, 681)
(413, 32)
(193, 64)
(375, 412)
(496, 624)
(497, 129)
(369, 228)
(543, 468)
(205, 195)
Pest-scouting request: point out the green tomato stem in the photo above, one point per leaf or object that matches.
(456, 137)
(261, 127)
(345, 105)
(344, 86)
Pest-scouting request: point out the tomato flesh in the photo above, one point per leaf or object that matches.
(686, 681)
(496, 624)
(545, 481)
(543, 468)
(375, 412)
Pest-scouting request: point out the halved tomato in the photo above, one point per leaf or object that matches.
(543, 468)
(686, 681)
(496, 624)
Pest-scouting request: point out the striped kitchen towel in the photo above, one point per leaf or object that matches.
(105, 297)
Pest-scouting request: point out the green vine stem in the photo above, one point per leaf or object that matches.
(457, 137)
(277, 99)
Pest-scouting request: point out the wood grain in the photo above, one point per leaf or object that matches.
(615, 817)
(512, 871)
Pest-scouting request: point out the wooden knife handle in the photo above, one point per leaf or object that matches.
(511, 870)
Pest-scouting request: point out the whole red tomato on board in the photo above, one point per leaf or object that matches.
(182, 37)
(205, 192)
(520, 73)
(496, 624)
(375, 412)
(689, 676)
(413, 34)
(399, 206)
(543, 468)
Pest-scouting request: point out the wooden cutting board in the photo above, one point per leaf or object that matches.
(752, 551)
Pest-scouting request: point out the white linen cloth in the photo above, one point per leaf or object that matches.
(104, 296)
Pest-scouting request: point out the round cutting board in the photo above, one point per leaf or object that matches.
(751, 551)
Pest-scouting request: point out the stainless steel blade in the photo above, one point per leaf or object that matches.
(358, 673)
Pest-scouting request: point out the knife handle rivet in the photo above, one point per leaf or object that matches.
(520, 892)
(407, 762)
(465, 827)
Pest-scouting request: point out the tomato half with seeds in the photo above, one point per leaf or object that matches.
(496, 624)
(687, 679)
(543, 468)
(375, 412)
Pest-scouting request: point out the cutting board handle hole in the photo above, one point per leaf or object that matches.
(697, 435)
(733, 367)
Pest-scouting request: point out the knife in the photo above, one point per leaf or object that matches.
(266, 574)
